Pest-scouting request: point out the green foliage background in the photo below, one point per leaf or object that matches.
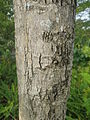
(78, 106)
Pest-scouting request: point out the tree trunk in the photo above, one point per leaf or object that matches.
(44, 31)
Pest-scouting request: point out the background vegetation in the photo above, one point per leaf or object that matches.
(78, 106)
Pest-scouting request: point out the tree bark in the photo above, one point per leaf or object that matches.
(44, 32)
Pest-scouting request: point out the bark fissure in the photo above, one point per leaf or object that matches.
(40, 61)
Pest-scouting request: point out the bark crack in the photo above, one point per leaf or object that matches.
(40, 56)
(32, 64)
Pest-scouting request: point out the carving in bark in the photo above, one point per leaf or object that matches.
(44, 31)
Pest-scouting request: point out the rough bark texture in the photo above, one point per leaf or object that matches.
(44, 51)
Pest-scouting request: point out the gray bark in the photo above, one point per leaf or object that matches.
(44, 31)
